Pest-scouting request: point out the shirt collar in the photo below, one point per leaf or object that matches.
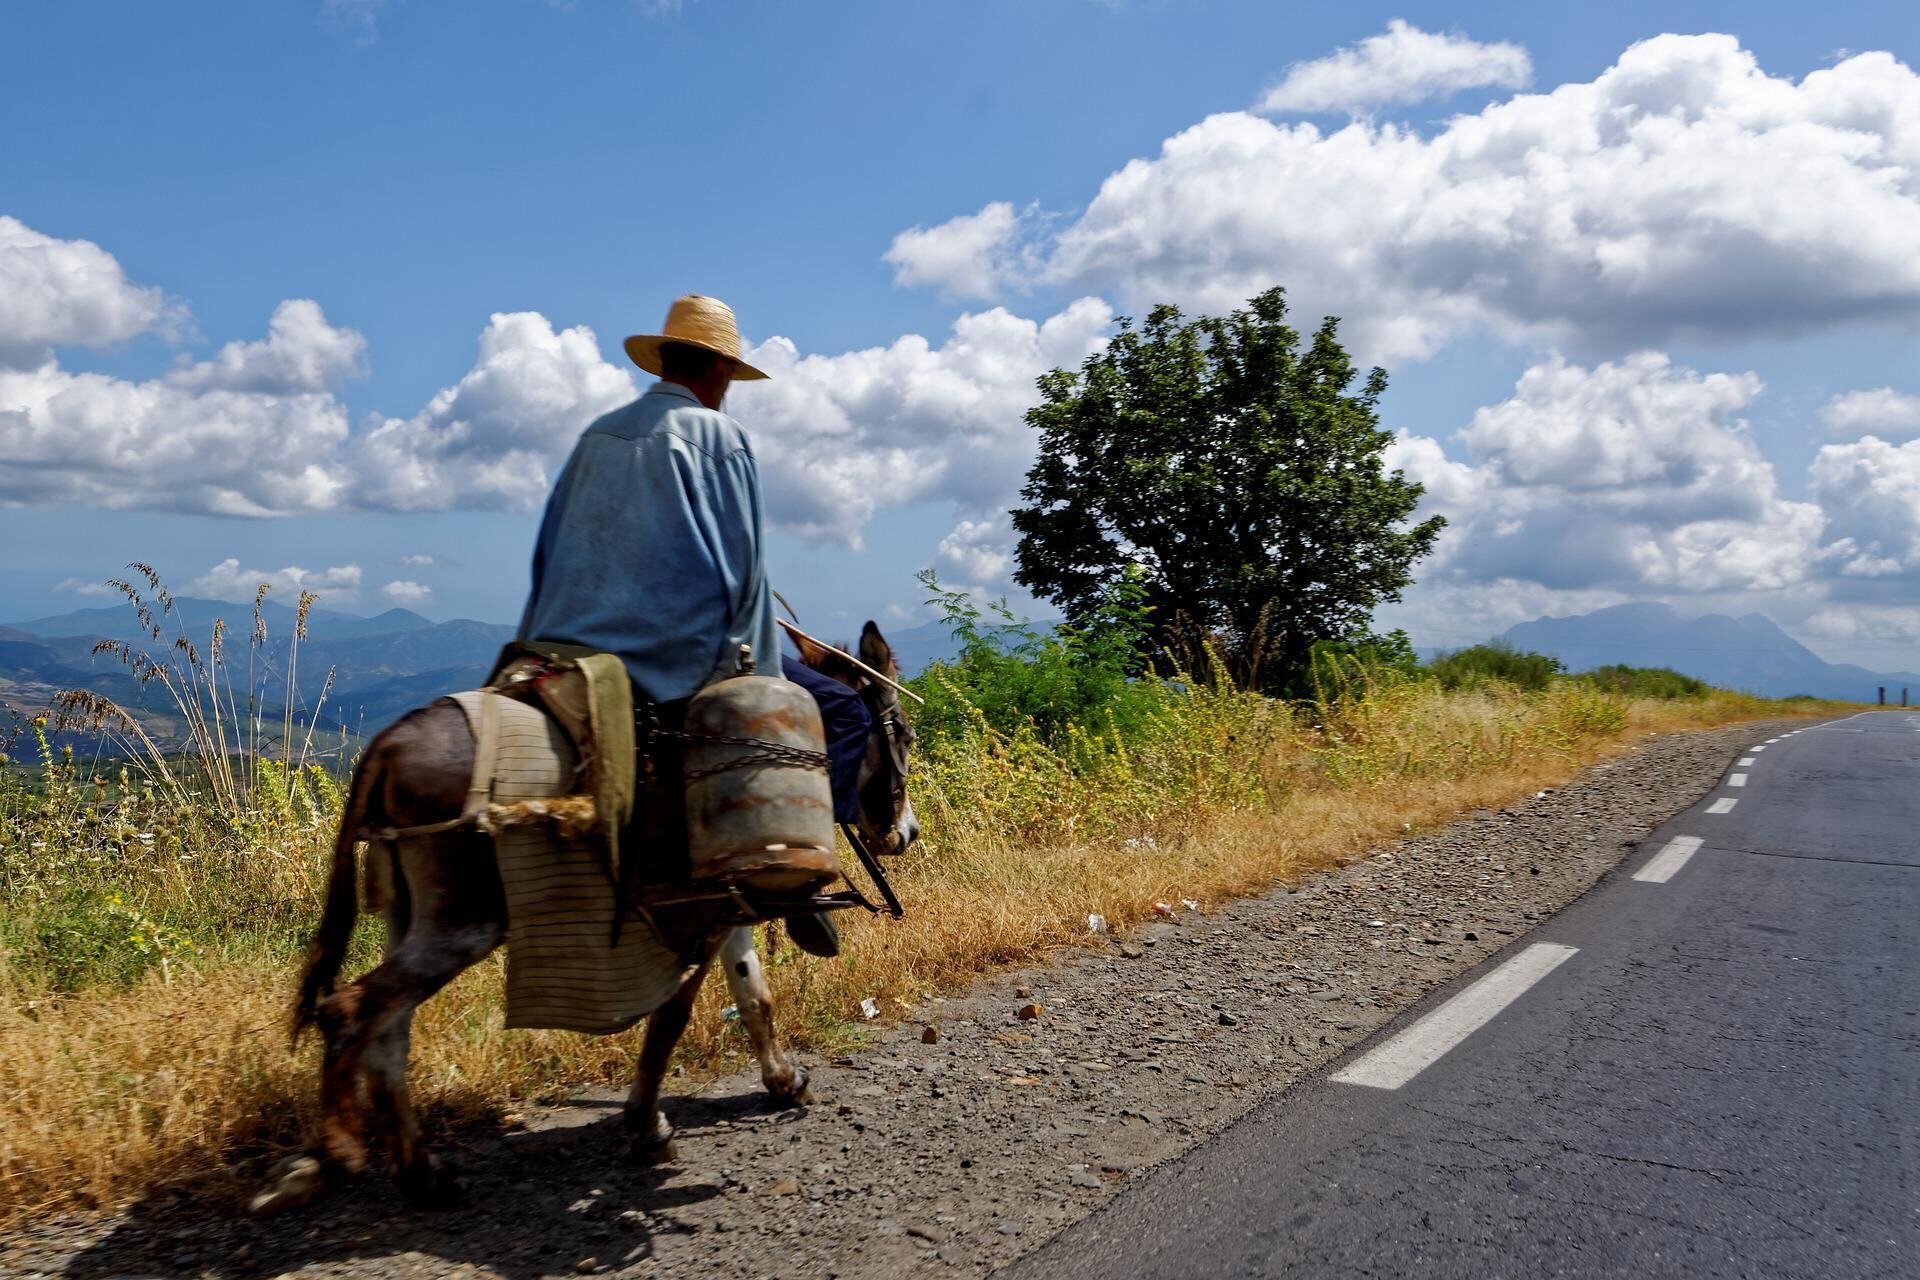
(665, 388)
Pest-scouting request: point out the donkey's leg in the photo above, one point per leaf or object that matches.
(748, 983)
(648, 1132)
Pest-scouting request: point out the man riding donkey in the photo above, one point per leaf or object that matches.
(649, 572)
(652, 548)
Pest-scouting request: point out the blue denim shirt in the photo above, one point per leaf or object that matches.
(651, 547)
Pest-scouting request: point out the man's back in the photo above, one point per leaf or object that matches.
(651, 546)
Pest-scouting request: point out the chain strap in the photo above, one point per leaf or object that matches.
(768, 754)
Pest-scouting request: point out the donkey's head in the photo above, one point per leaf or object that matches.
(886, 820)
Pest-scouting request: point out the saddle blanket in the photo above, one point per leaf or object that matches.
(577, 959)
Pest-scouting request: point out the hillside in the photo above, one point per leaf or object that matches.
(1749, 653)
(380, 666)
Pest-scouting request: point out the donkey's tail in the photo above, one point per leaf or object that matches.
(327, 952)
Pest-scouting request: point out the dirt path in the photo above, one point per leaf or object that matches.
(959, 1154)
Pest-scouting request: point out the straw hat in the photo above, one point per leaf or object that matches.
(695, 321)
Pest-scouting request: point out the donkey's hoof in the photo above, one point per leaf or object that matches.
(430, 1183)
(796, 1092)
(293, 1182)
(651, 1142)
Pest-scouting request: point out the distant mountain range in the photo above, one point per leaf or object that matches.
(380, 666)
(1750, 653)
(384, 665)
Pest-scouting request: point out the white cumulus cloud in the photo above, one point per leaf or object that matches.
(301, 353)
(1682, 193)
(57, 292)
(491, 439)
(1629, 477)
(1870, 489)
(1881, 411)
(403, 592)
(228, 581)
(1402, 64)
(965, 257)
(84, 587)
(977, 555)
(840, 437)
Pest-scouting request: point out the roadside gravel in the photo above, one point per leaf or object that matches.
(954, 1150)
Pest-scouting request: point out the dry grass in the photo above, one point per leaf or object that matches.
(184, 1074)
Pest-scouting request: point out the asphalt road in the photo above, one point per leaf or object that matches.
(1713, 1070)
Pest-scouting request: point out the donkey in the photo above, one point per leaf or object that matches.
(445, 909)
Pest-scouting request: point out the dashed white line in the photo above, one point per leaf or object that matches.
(1663, 865)
(1737, 780)
(1761, 747)
(1409, 1052)
(1745, 761)
(1723, 805)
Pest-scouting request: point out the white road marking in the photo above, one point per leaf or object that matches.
(1662, 866)
(1409, 1052)
(1722, 805)
(1746, 761)
(1737, 780)
(1761, 747)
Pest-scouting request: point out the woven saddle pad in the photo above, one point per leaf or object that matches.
(576, 960)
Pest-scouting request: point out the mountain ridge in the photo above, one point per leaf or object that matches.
(1750, 652)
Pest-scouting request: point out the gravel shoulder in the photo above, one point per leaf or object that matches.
(957, 1150)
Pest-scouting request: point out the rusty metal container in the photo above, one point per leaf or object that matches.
(759, 804)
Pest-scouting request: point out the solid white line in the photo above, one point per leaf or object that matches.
(1722, 805)
(1662, 866)
(1737, 780)
(1745, 762)
(1413, 1050)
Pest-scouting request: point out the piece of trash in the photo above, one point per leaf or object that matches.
(1189, 904)
(1376, 924)
(1140, 842)
(1096, 923)
(1162, 909)
(730, 1014)
(869, 1008)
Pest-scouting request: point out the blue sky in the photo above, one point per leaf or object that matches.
(414, 168)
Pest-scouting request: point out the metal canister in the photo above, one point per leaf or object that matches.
(759, 802)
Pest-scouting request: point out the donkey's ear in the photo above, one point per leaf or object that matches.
(875, 651)
(812, 653)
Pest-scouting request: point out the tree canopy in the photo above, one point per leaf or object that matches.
(1238, 469)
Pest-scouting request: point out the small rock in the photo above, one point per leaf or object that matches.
(930, 1034)
(1228, 1020)
(1029, 1012)
(1085, 1178)
(1132, 950)
(1011, 1228)
(1471, 937)
(929, 1234)
(784, 1187)
(1023, 993)
(586, 1265)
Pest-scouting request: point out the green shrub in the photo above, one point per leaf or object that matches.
(1495, 660)
(1646, 682)
(1016, 676)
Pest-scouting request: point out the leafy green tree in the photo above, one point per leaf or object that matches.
(1239, 470)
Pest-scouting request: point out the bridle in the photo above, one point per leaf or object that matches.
(897, 741)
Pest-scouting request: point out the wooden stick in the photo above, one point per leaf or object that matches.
(798, 634)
